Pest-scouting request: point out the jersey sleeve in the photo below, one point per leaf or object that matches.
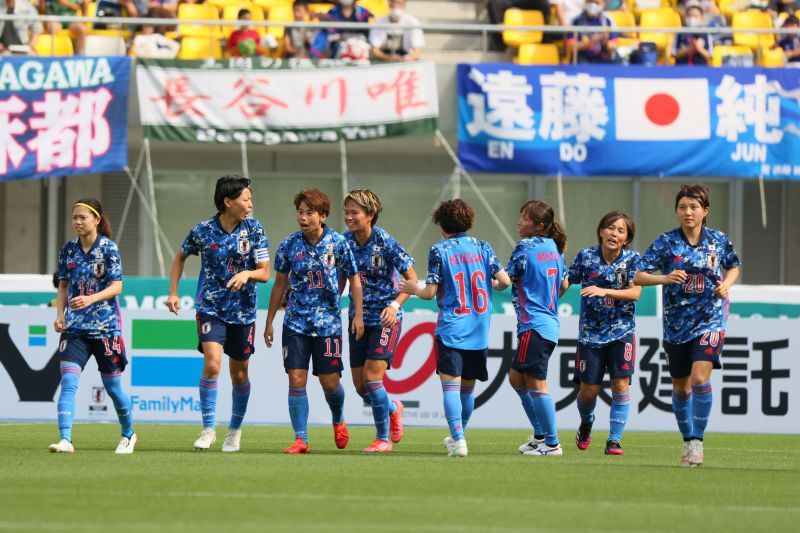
(398, 257)
(652, 258)
(260, 242)
(516, 265)
(113, 262)
(434, 267)
(729, 258)
(63, 267)
(633, 265)
(346, 260)
(575, 273)
(190, 245)
(491, 258)
(283, 262)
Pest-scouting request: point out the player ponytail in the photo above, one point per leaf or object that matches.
(698, 192)
(96, 208)
(541, 213)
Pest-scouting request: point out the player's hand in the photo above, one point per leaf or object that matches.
(173, 303)
(594, 290)
(408, 287)
(60, 324)
(388, 316)
(700, 44)
(239, 280)
(80, 302)
(675, 277)
(269, 335)
(357, 327)
(721, 290)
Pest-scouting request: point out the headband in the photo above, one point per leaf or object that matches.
(90, 208)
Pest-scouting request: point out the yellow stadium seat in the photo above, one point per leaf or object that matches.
(232, 13)
(198, 12)
(91, 11)
(53, 45)
(199, 48)
(222, 4)
(378, 8)
(722, 51)
(773, 57)
(752, 19)
(280, 13)
(538, 54)
(522, 17)
(266, 5)
(659, 18)
(729, 7)
(319, 7)
(622, 19)
(638, 7)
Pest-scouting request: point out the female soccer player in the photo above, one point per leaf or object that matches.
(537, 271)
(607, 325)
(234, 251)
(90, 279)
(462, 271)
(698, 266)
(310, 262)
(378, 258)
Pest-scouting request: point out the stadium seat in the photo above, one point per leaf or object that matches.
(222, 4)
(232, 13)
(266, 5)
(378, 8)
(538, 54)
(91, 11)
(105, 45)
(721, 52)
(622, 19)
(280, 13)
(522, 17)
(637, 7)
(199, 48)
(53, 45)
(198, 12)
(772, 57)
(752, 19)
(729, 7)
(659, 18)
(319, 7)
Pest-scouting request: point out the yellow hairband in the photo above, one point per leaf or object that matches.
(90, 208)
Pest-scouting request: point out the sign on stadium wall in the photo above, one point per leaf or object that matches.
(274, 102)
(61, 116)
(639, 121)
(756, 391)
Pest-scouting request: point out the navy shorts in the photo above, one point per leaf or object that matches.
(706, 347)
(619, 357)
(236, 339)
(377, 343)
(469, 364)
(324, 352)
(108, 351)
(533, 354)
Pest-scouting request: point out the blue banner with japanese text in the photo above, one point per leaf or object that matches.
(63, 115)
(634, 121)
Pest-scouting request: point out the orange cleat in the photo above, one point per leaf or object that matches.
(379, 446)
(341, 435)
(299, 446)
(396, 423)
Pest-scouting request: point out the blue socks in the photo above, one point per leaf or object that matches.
(701, 409)
(208, 401)
(467, 404)
(241, 394)
(335, 400)
(380, 408)
(298, 412)
(545, 411)
(586, 411)
(70, 378)
(682, 408)
(527, 404)
(122, 403)
(620, 409)
(451, 390)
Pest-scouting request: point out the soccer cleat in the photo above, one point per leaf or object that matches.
(448, 443)
(341, 435)
(695, 453)
(126, 445)
(396, 423)
(613, 448)
(584, 436)
(685, 455)
(206, 439)
(459, 448)
(532, 443)
(379, 446)
(62, 446)
(232, 440)
(299, 446)
(544, 449)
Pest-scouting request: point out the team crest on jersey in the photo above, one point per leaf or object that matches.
(98, 268)
(62, 346)
(376, 260)
(205, 328)
(243, 242)
(712, 260)
(622, 278)
(328, 259)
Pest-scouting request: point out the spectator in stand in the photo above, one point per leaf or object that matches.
(66, 7)
(297, 42)
(349, 44)
(400, 44)
(791, 43)
(114, 8)
(593, 47)
(20, 35)
(151, 44)
(693, 48)
(497, 10)
(787, 6)
(567, 10)
(244, 41)
(160, 9)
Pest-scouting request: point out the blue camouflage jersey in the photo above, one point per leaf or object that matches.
(692, 309)
(604, 320)
(537, 270)
(87, 273)
(463, 268)
(222, 256)
(378, 262)
(314, 270)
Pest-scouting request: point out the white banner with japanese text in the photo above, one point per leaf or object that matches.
(270, 102)
(756, 391)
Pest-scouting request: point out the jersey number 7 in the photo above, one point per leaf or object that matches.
(480, 299)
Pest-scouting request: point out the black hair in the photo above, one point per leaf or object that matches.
(104, 226)
(230, 186)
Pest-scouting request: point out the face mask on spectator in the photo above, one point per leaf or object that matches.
(694, 22)
(396, 13)
(593, 9)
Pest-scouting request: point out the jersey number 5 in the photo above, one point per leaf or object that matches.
(480, 299)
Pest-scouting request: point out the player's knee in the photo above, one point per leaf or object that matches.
(620, 386)
(211, 370)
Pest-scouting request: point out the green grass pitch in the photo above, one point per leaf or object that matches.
(749, 483)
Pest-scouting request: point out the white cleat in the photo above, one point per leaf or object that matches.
(544, 449)
(126, 445)
(449, 443)
(232, 440)
(685, 454)
(695, 453)
(459, 448)
(532, 444)
(62, 446)
(206, 439)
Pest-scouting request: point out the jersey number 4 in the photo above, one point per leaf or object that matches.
(479, 296)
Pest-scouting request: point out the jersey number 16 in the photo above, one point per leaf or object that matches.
(480, 299)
